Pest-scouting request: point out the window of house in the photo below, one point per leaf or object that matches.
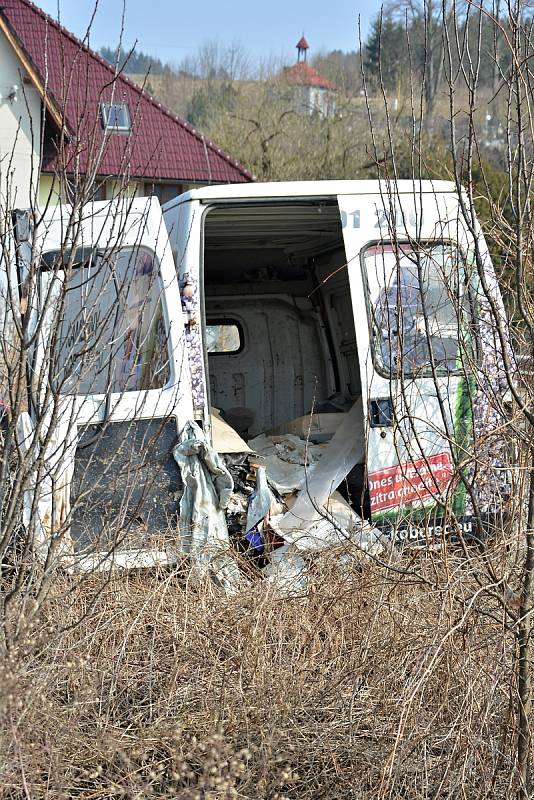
(115, 116)
(99, 190)
(163, 191)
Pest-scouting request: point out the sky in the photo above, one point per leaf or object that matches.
(266, 30)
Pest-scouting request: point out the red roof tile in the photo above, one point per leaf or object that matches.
(161, 146)
(302, 44)
(304, 75)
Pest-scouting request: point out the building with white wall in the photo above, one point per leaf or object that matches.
(66, 116)
(20, 129)
(313, 93)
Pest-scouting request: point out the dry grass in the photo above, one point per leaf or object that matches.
(376, 685)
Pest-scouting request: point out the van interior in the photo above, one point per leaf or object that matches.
(279, 321)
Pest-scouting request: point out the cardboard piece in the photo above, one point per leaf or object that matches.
(225, 439)
(317, 427)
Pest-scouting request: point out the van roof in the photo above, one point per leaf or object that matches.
(299, 189)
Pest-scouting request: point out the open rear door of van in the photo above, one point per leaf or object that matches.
(110, 383)
(411, 317)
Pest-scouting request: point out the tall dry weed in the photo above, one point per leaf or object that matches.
(380, 683)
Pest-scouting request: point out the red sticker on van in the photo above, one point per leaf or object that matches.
(413, 480)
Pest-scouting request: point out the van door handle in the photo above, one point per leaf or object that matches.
(381, 412)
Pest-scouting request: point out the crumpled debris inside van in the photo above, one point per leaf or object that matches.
(290, 465)
(247, 514)
(286, 458)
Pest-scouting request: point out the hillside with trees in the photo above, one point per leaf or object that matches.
(249, 110)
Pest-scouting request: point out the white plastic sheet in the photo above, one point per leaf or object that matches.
(208, 487)
(340, 455)
(336, 526)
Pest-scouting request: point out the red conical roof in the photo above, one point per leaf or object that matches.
(304, 75)
(302, 44)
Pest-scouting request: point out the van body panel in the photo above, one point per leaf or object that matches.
(279, 382)
(286, 190)
(110, 226)
(124, 485)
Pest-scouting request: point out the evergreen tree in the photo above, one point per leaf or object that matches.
(386, 56)
(136, 62)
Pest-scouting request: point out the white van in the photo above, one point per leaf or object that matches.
(321, 295)
(352, 329)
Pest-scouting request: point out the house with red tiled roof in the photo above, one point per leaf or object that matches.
(65, 111)
(313, 93)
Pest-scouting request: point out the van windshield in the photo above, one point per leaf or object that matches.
(419, 307)
(108, 312)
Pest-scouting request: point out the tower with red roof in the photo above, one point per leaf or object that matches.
(314, 94)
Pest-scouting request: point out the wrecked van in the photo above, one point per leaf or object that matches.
(267, 370)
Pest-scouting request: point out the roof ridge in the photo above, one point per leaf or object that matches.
(142, 92)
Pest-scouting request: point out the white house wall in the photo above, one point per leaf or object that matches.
(20, 132)
(315, 99)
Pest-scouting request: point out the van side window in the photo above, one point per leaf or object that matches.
(223, 336)
(111, 332)
(419, 307)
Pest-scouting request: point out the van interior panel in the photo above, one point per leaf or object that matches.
(281, 340)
